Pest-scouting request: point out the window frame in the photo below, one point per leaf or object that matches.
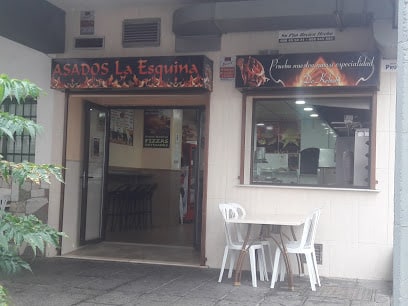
(10, 156)
(248, 99)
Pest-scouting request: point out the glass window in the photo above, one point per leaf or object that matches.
(312, 141)
(23, 146)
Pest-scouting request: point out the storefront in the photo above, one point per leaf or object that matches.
(258, 144)
(135, 136)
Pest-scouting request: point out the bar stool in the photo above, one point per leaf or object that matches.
(148, 205)
(114, 209)
(135, 218)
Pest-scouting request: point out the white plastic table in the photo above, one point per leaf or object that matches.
(275, 219)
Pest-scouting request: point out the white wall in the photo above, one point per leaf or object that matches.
(22, 62)
(356, 226)
(73, 173)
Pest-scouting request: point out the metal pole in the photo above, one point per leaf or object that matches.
(400, 256)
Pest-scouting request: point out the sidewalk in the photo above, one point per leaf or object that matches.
(61, 281)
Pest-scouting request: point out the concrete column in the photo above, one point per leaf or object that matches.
(400, 269)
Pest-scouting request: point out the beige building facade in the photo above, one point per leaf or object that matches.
(356, 226)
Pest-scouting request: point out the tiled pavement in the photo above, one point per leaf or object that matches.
(62, 281)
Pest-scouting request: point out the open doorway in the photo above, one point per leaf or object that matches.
(154, 189)
(153, 183)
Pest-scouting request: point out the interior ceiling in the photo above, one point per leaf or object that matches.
(333, 115)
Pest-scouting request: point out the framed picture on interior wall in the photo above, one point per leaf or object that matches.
(267, 136)
(189, 133)
(289, 137)
(122, 126)
(156, 131)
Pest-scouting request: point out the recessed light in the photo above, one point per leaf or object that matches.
(308, 109)
(300, 102)
(314, 115)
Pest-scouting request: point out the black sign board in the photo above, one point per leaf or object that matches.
(350, 69)
(133, 72)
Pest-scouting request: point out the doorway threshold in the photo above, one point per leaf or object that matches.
(138, 253)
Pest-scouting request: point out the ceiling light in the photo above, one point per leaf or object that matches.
(260, 124)
(314, 115)
(269, 127)
(300, 102)
(308, 109)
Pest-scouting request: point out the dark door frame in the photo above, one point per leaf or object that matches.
(84, 176)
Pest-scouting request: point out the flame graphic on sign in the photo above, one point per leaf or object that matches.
(134, 82)
(321, 73)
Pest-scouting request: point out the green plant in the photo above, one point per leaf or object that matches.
(4, 299)
(11, 124)
(16, 231)
(18, 89)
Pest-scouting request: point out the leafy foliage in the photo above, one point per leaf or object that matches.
(21, 172)
(11, 124)
(4, 300)
(19, 89)
(16, 231)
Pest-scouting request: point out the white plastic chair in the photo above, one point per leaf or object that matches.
(234, 245)
(304, 246)
(242, 214)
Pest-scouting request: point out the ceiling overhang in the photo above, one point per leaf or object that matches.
(259, 15)
(216, 18)
(34, 23)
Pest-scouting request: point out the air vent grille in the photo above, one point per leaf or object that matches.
(89, 43)
(141, 32)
